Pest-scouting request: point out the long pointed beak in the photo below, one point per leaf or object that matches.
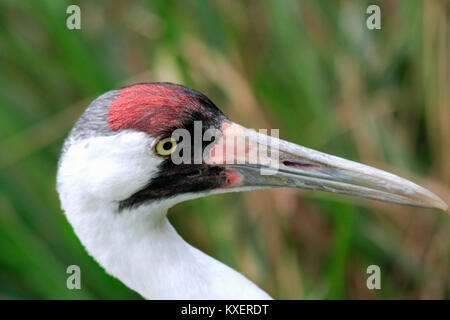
(266, 161)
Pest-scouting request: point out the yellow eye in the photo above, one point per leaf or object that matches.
(166, 146)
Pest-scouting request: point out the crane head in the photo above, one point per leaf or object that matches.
(165, 143)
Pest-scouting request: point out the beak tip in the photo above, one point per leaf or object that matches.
(438, 203)
(444, 206)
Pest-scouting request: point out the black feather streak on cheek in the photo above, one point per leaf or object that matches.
(174, 180)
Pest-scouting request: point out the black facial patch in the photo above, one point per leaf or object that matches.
(175, 180)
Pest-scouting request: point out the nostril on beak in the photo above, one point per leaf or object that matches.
(301, 165)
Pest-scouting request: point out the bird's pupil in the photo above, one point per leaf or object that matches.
(167, 145)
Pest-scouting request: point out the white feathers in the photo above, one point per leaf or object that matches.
(109, 168)
(138, 246)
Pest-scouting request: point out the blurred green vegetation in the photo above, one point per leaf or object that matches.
(310, 68)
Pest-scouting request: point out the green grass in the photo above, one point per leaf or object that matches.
(309, 68)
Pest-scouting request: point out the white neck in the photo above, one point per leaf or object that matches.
(138, 246)
(143, 250)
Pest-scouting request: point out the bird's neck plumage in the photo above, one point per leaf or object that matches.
(142, 249)
(138, 246)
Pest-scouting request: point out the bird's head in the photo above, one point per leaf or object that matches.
(164, 143)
